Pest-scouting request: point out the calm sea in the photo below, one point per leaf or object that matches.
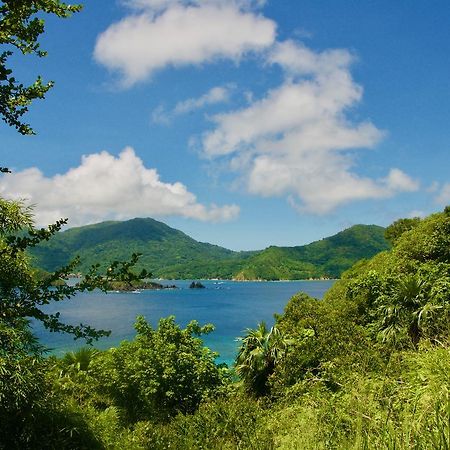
(230, 306)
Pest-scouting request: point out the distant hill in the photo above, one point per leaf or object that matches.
(166, 252)
(328, 257)
(171, 254)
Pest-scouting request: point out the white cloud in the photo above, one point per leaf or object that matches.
(398, 181)
(444, 195)
(176, 33)
(310, 109)
(297, 59)
(214, 95)
(298, 140)
(218, 94)
(105, 187)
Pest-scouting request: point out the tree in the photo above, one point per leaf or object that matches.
(21, 24)
(78, 361)
(27, 406)
(260, 352)
(23, 294)
(400, 226)
(161, 372)
(28, 410)
(405, 293)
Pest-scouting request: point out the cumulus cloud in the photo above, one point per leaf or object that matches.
(218, 94)
(107, 187)
(299, 140)
(165, 33)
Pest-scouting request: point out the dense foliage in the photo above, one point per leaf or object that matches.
(367, 367)
(170, 254)
(160, 373)
(29, 407)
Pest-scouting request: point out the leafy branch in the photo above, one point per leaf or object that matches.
(20, 28)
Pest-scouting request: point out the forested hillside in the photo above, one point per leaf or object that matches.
(328, 257)
(166, 252)
(171, 254)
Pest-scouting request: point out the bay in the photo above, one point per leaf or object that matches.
(230, 306)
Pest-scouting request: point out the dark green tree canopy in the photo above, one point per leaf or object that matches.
(400, 226)
(21, 24)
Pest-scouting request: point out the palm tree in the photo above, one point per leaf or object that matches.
(260, 351)
(78, 361)
(406, 310)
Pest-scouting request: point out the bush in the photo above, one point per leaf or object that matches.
(160, 373)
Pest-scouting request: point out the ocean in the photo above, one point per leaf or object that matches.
(229, 305)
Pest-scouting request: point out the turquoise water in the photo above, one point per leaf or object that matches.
(230, 306)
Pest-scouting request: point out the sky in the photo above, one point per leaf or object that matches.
(243, 123)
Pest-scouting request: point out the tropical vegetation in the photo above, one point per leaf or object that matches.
(366, 367)
(170, 254)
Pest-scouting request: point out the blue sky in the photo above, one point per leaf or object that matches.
(244, 123)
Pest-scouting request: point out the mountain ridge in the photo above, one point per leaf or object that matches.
(169, 253)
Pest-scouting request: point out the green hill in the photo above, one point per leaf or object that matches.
(328, 257)
(166, 252)
(169, 253)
